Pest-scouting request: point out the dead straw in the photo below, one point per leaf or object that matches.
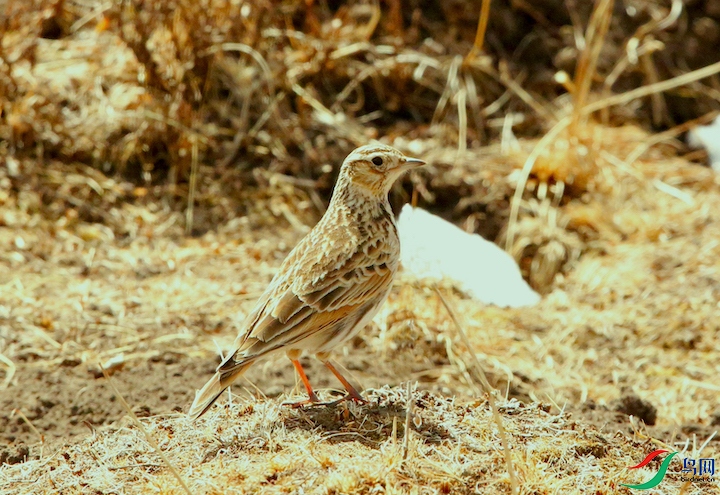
(146, 433)
(410, 403)
(594, 39)
(10, 370)
(488, 389)
(621, 99)
(480, 33)
(525, 175)
(27, 421)
(647, 90)
(667, 135)
(189, 212)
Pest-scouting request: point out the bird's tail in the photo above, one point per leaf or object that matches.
(206, 396)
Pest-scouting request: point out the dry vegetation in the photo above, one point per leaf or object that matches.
(262, 446)
(160, 159)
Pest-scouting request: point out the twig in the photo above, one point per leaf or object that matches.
(10, 372)
(27, 421)
(668, 84)
(515, 489)
(193, 186)
(474, 101)
(451, 87)
(394, 431)
(144, 431)
(542, 108)
(462, 121)
(631, 48)
(706, 443)
(651, 141)
(132, 466)
(409, 403)
(480, 33)
(97, 11)
(657, 101)
(594, 38)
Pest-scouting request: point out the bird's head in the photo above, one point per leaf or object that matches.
(374, 168)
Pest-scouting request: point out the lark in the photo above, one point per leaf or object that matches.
(331, 284)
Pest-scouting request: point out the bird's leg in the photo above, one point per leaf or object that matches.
(352, 393)
(312, 398)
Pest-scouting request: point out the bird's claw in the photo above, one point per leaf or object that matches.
(357, 399)
(313, 400)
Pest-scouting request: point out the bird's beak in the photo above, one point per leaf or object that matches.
(413, 162)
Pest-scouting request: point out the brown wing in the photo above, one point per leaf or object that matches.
(315, 289)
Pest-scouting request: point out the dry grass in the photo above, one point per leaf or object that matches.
(631, 317)
(262, 446)
(232, 134)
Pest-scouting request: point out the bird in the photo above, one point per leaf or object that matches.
(331, 284)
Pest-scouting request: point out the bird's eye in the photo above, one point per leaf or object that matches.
(377, 161)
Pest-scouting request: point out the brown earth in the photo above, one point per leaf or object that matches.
(68, 316)
(152, 306)
(114, 116)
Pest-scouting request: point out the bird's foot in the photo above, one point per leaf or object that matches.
(312, 400)
(356, 398)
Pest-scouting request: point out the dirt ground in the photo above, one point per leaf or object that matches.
(168, 350)
(63, 316)
(626, 340)
(158, 162)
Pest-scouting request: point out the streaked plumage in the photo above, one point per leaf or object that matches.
(334, 281)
